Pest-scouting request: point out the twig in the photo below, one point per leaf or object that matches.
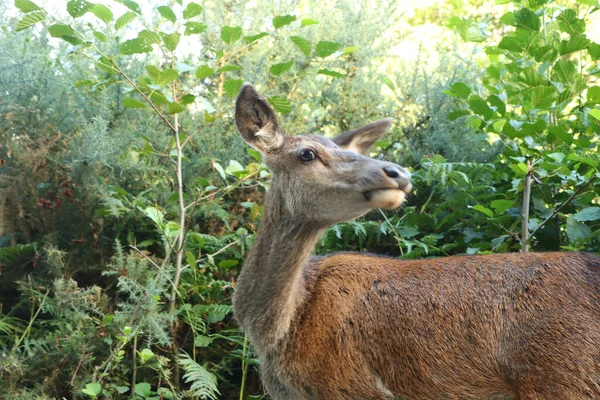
(525, 212)
(78, 365)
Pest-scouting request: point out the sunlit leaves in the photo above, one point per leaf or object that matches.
(574, 43)
(481, 107)
(254, 38)
(283, 20)
(325, 48)
(278, 69)
(329, 72)
(459, 89)
(593, 95)
(171, 40)
(175, 108)
(128, 102)
(192, 10)
(60, 30)
(569, 23)
(308, 21)
(303, 45)
(135, 46)
(280, 104)
(124, 19)
(231, 34)
(102, 12)
(204, 71)
(30, 20)
(26, 6)
(78, 8)
(468, 30)
(527, 19)
(194, 28)
(150, 37)
(232, 87)
(167, 13)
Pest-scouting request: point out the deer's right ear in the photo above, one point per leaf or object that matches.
(256, 122)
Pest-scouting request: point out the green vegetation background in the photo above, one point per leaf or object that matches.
(128, 201)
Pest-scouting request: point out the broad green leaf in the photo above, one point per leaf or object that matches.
(308, 21)
(469, 30)
(146, 355)
(128, 102)
(174, 107)
(575, 43)
(204, 71)
(26, 6)
(166, 77)
(480, 106)
(593, 95)
(325, 48)
(30, 20)
(525, 18)
(171, 40)
(132, 5)
(124, 19)
(100, 36)
(153, 72)
(232, 87)
(106, 65)
(483, 210)
(187, 99)
(330, 72)
(143, 389)
(510, 44)
(190, 258)
(202, 341)
(588, 214)
(460, 90)
(595, 113)
(454, 115)
(167, 13)
(278, 69)
(561, 133)
(350, 49)
(569, 23)
(92, 389)
(102, 12)
(231, 34)
(499, 104)
(194, 28)
(150, 37)
(282, 20)
(191, 10)
(254, 38)
(594, 50)
(564, 71)
(302, 44)
(78, 8)
(135, 46)
(501, 205)
(60, 30)
(280, 104)
(577, 230)
(543, 96)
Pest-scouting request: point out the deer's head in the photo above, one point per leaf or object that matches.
(321, 180)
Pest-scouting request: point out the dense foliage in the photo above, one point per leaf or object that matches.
(128, 202)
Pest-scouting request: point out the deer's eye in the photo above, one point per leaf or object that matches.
(307, 155)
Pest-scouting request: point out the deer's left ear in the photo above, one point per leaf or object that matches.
(256, 121)
(360, 140)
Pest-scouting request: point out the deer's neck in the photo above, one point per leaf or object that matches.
(271, 285)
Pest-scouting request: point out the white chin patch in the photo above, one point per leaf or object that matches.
(390, 198)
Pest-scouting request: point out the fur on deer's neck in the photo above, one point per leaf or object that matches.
(272, 285)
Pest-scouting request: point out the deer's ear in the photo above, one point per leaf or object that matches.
(256, 122)
(361, 139)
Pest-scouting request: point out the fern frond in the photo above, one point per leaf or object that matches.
(203, 382)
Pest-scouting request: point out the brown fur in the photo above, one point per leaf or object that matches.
(358, 326)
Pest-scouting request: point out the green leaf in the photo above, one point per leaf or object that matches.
(60, 30)
(30, 20)
(191, 10)
(174, 107)
(254, 38)
(576, 230)
(100, 36)
(78, 8)
(132, 103)
(569, 23)
(594, 50)
(282, 20)
(26, 6)
(167, 13)
(132, 5)
(150, 37)
(278, 69)
(454, 115)
(302, 44)
(511, 44)
(194, 28)
(501, 205)
(231, 34)
(143, 389)
(595, 113)
(575, 43)
(525, 18)
(480, 106)
(171, 40)
(588, 214)
(280, 104)
(325, 48)
(92, 389)
(483, 210)
(593, 95)
(202, 341)
(135, 46)
(561, 133)
(330, 72)
(460, 90)
(187, 99)
(232, 87)
(308, 21)
(204, 71)
(543, 96)
(564, 71)
(102, 12)
(124, 19)
(499, 104)
(165, 77)
(350, 49)
(106, 65)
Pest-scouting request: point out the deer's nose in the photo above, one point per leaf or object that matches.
(396, 171)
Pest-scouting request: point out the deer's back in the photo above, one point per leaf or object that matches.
(470, 327)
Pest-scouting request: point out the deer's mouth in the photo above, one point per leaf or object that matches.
(386, 197)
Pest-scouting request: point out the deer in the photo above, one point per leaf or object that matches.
(360, 326)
